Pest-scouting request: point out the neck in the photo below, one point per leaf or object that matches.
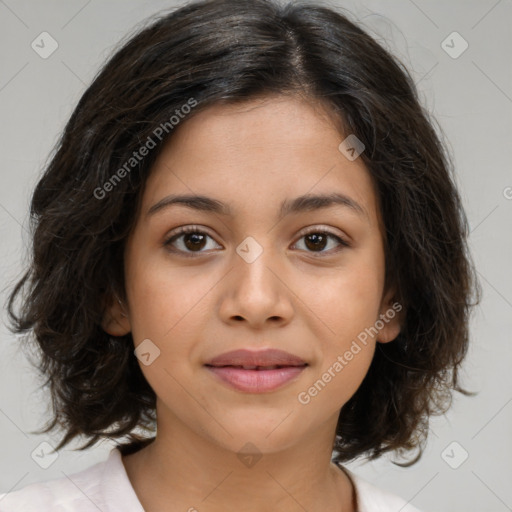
(184, 470)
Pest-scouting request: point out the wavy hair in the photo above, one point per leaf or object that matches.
(229, 51)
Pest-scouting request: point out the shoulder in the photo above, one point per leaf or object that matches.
(78, 491)
(55, 494)
(373, 499)
(89, 490)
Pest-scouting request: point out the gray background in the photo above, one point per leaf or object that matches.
(471, 97)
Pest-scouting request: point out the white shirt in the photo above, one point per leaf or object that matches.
(105, 487)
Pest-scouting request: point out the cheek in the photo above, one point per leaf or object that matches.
(346, 351)
(165, 299)
(160, 311)
(334, 386)
(170, 307)
(346, 301)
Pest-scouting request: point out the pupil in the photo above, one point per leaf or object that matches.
(313, 241)
(197, 238)
(316, 237)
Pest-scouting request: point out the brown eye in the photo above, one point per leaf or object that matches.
(317, 241)
(189, 239)
(194, 241)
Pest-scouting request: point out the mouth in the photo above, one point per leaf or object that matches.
(257, 368)
(256, 371)
(252, 359)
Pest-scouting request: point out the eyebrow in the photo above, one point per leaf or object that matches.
(304, 203)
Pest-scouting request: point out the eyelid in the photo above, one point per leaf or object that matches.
(188, 228)
(305, 231)
(317, 228)
(343, 240)
(183, 230)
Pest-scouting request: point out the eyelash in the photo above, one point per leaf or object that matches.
(196, 229)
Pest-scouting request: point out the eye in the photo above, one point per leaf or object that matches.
(191, 239)
(316, 240)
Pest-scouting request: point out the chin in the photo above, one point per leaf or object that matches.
(269, 433)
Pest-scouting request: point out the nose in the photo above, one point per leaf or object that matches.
(256, 292)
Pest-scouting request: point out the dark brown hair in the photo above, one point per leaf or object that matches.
(228, 51)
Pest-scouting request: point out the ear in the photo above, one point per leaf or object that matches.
(391, 317)
(116, 321)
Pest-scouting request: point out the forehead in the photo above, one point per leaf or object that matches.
(258, 153)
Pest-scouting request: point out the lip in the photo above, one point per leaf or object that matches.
(267, 357)
(282, 367)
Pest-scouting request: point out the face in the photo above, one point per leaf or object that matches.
(307, 279)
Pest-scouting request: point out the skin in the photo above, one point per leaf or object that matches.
(310, 300)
